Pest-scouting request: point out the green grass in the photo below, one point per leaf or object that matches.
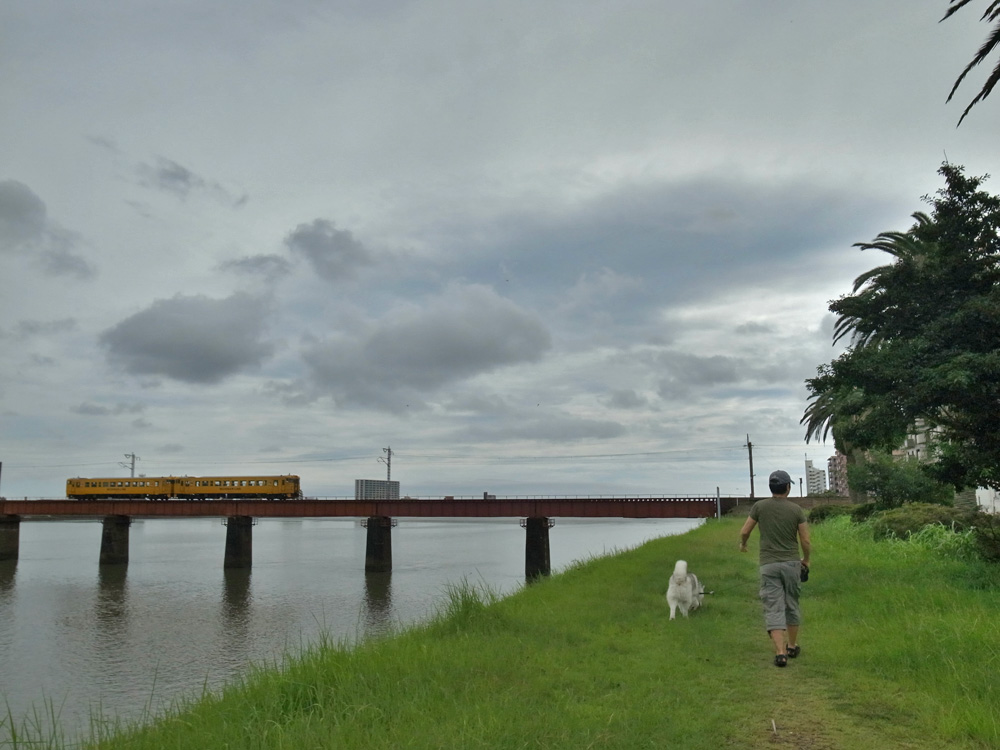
(900, 650)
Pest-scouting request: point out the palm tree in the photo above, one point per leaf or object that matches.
(992, 13)
(821, 417)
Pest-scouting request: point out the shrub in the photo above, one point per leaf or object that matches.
(892, 483)
(822, 512)
(863, 511)
(910, 518)
(986, 527)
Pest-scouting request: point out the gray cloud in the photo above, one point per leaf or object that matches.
(193, 339)
(26, 329)
(626, 399)
(23, 217)
(680, 238)
(754, 327)
(171, 177)
(559, 429)
(26, 228)
(685, 372)
(270, 267)
(333, 253)
(90, 409)
(466, 332)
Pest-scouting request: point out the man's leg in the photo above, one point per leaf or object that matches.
(778, 639)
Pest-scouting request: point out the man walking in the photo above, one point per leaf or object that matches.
(783, 528)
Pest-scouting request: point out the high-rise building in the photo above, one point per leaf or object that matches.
(836, 469)
(376, 489)
(815, 479)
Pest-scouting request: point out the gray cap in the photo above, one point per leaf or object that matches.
(779, 478)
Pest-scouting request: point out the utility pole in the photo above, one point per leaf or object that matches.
(388, 463)
(749, 447)
(131, 465)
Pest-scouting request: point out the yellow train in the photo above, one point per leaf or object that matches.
(283, 487)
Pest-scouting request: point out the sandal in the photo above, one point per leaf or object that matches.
(794, 651)
(781, 660)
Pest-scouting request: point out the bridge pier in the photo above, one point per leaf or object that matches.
(239, 542)
(114, 540)
(537, 561)
(10, 534)
(378, 550)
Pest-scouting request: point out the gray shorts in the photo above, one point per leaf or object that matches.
(779, 592)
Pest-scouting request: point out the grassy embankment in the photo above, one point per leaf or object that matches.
(900, 650)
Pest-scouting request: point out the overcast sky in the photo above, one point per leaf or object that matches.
(534, 247)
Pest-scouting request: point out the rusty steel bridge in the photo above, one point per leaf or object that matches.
(379, 516)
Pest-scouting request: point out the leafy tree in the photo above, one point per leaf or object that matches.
(925, 339)
(891, 483)
(992, 13)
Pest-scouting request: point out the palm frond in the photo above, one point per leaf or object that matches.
(992, 13)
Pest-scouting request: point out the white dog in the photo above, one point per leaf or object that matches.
(685, 592)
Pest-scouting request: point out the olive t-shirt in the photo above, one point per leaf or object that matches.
(779, 520)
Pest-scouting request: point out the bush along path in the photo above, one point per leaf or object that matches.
(899, 650)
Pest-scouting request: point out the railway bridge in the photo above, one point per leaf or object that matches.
(536, 515)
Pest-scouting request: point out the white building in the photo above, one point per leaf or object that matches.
(988, 499)
(815, 479)
(376, 489)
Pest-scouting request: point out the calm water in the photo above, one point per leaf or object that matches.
(124, 640)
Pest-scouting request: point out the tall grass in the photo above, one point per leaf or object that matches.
(899, 650)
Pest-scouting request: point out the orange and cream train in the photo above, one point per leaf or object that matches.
(284, 487)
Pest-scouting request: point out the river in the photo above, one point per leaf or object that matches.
(78, 640)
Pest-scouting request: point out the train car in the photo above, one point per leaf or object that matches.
(86, 488)
(283, 487)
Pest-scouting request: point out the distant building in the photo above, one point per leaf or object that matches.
(815, 479)
(988, 499)
(376, 489)
(836, 469)
(918, 443)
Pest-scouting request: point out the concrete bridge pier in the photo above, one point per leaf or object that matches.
(537, 561)
(114, 540)
(10, 534)
(378, 550)
(239, 542)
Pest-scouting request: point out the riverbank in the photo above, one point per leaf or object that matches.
(899, 650)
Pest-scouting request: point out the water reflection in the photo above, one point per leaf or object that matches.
(8, 571)
(111, 608)
(236, 600)
(378, 602)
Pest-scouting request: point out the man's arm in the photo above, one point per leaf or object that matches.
(745, 533)
(804, 541)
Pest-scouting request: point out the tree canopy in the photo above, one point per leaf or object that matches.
(992, 13)
(924, 336)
